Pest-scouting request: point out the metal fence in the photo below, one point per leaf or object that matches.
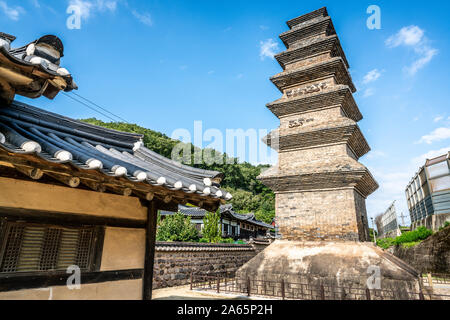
(228, 284)
(429, 279)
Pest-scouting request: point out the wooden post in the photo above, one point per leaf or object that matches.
(248, 287)
(191, 279)
(149, 260)
(430, 280)
(218, 284)
(282, 290)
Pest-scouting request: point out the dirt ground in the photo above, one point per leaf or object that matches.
(183, 293)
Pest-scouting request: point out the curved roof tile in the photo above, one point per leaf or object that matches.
(55, 138)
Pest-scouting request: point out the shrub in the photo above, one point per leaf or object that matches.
(413, 236)
(446, 224)
(211, 227)
(226, 240)
(385, 243)
(176, 228)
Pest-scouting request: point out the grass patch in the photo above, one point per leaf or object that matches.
(407, 239)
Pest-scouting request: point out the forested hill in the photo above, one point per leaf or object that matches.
(249, 195)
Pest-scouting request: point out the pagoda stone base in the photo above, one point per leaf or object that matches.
(335, 265)
(322, 215)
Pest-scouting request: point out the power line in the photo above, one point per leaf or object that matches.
(92, 108)
(91, 102)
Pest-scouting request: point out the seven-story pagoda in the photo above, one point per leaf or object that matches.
(319, 184)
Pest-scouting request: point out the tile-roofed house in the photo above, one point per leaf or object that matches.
(75, 194)
(242, 226)
(234, 225)
(59, 142)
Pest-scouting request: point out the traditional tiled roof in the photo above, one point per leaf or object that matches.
(194, 246)
(55, 139)
(34, 69)
(249, 218)
(193, 212)
(225, 210)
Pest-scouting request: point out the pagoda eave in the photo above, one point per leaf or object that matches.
(333, 67)
(307, 49)
(339, 95)
(317, 26)
(322, 12)
(361, 180)
(351, 135)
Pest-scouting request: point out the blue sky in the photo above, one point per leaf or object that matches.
(165, 64)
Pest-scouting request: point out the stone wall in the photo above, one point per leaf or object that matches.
(432, 255)
(174, 261)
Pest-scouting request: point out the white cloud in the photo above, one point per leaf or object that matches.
(371, 76)
(12, 13)
(408, 36)
(438, 118)
(87, 8)
(263, 27)
(376, 154)
(413, 36)
(143, 17)
(420, 160)
(436, 135)
(368, 92)
(427, 54)
(268, 49)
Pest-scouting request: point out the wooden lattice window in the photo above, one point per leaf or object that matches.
(28, 247)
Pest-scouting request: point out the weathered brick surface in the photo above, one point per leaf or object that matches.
(320, 186)
(318, 215)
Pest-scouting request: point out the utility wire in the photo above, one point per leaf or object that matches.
(96, 105)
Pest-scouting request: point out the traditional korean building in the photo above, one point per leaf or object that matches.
(77, 197)
(320, 187)
(233, 225)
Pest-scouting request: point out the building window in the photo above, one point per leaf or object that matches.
(29, 247)
(438, 169)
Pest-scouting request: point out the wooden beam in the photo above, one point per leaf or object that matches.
(149, 259)
(70, 181)
(99, 187)
(33, 173)
(141, 189)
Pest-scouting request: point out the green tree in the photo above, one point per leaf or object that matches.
(176, 227)
(211, 227)
(249, 194)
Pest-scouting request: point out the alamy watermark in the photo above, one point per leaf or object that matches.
(211, 145)
(374, 280)
(74, 19)
(374, 20)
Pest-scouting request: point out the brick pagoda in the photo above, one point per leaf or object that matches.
(320, 186)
